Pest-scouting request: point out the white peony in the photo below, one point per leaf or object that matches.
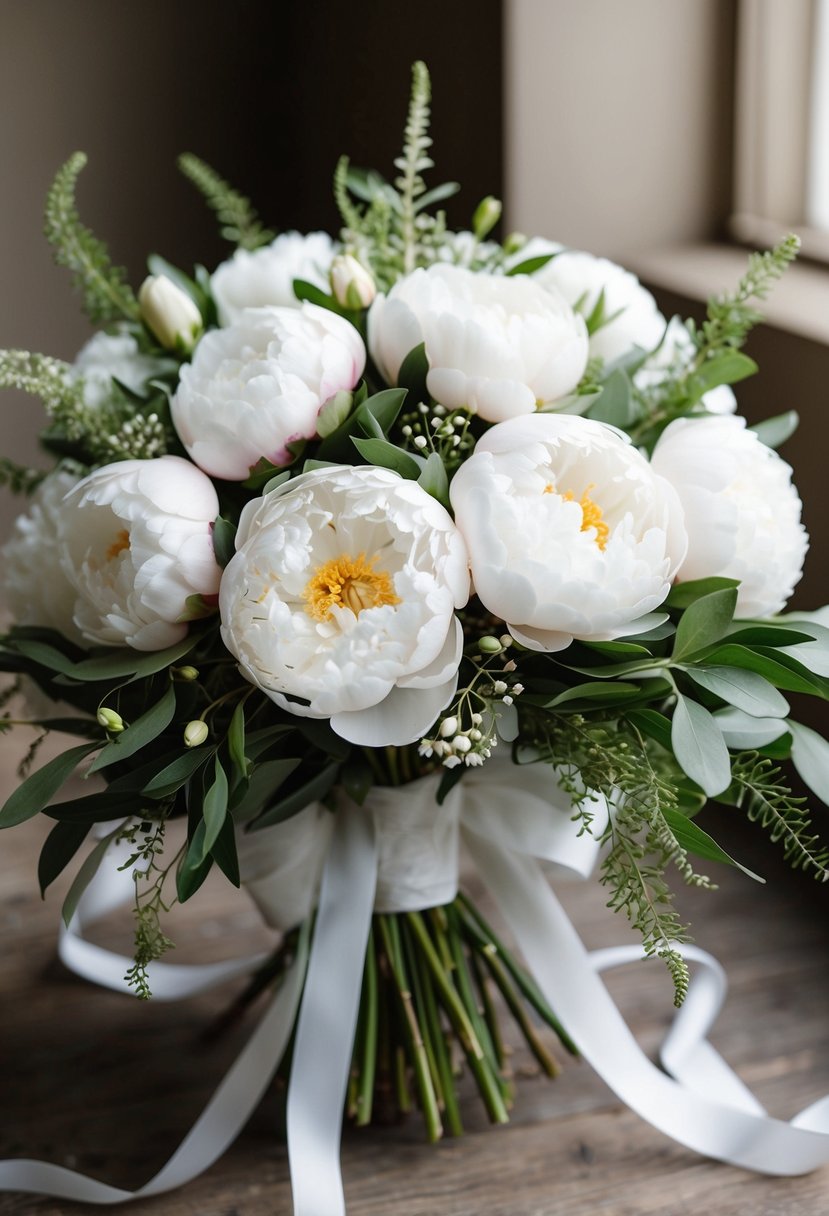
(260, 277)
(35, 589)
(676, 352)
(108, 357)
(570, 532)
(633, 318)
(742, 512)
(258, 385)
(497, 346)
(340, 602)
(136, 545)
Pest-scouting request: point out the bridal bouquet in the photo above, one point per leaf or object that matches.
(379, 541)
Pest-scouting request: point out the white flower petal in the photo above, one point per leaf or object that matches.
(261, 277)
(403, 717)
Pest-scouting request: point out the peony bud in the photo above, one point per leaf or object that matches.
(487, 215)
(169, 313)
(186, 673)
(110, 720)
(489, 645)
(351, 283)
(195, 733)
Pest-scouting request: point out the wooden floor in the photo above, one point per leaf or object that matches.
(93, 1080)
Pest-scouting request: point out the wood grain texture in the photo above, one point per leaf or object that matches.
(108, 1085)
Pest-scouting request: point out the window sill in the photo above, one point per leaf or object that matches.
(798, 304)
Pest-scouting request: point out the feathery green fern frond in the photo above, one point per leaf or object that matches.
(239, 220)
(41, 376)
(106, 294)
(730, 317)
(769, 802)
(414, 161)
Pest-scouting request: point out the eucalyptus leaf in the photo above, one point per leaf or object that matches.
(810, 756)
(614, 403)
(434, 479)
(126, 663)
(146, 728)
(743, 689)
(85, 874)
(609, 692)
(774, 432)
(264, 781)
(224, 537)
(682, 595)
(310, 791)
(704, 622)
(236, 740)
(59, 847)
(531, 265)
(778, 668)
(744, 732)
(195, 867)
(653, 724)
(176, 774)
(699, 746)
(388, 456)
(413, 372)
(224, 852)
(214, 808)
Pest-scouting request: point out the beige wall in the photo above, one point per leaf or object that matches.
(618, 120)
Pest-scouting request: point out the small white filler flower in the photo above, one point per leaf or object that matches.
(259, 277)
(570, 532)
(259, 385)
(497, 346)
(137, 548)
(742, 512)
(340, 602)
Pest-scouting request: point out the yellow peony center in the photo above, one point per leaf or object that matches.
(591, 513)
(121, 542)
(348, 582)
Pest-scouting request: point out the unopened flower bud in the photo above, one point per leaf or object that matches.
(489, 645)
(514, 242)
(448, 727)
(334, 411)
(487, 215)
(499, 687)
(461, 744)
(195, 733)
(110, 720)
(186, 673)
(351, 283)
(169, 313)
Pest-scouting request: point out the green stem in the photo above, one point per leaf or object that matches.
(467, 994)
(488, 1082)
(441, 1052)
(368, 1056)
(390, 933)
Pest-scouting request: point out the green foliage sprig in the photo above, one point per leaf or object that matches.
(240, 223)
(106, 294)
(767, 800)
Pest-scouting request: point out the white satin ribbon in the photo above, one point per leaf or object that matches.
(376, 856)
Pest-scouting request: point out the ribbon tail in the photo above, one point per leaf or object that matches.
(718, 1123)
(218, 1126)
(328, 1017)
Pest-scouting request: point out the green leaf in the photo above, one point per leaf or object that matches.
(236, 740)
(160, 266)
(146, 728)
(195, 867)
(303, 290)
(614, 403)
(653, 724)
(384, 406)
(704, 622)
(264, 781)
(357, 778)
(434, 479)
(765, 635)
(610, 691)
(694, 840)
(133, 664)
(38, 789)
(96, 808)
(176, 774)
(779, 669)
(743, 689)
(388, 456)
(743, 732)
(810, 756)
(85, 875)
(531, 265)
(224, 540)
(699, 746)
(729, 367)
(683, 595)
(59, 847)
(774, 432)
(214, 808)
(224, 852)
(311, 791)
(413, 372)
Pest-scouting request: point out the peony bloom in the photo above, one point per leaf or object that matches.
(340, 602)
(570, 532)
(742, 512)
(136, 545)
(108, 357)
(675, 353)
(260, 277)
(633, 317)
(496, 346)
(35, 589)
(258, 385)
(169, 313)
